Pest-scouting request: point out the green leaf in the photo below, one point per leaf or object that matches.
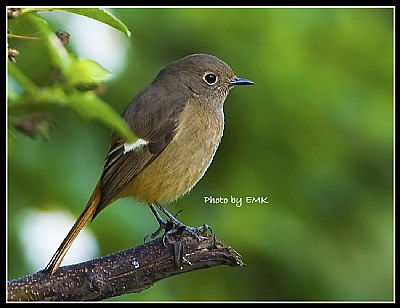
(89, 106)
(102, 16)
(20, 79)
(26, 95)
(30, 24)
(87, 72)
(59, 55)
(31, 95)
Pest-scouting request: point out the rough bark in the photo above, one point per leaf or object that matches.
(128, 271)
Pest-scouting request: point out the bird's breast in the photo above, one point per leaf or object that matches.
(185, 159)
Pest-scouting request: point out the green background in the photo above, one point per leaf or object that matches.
(314, 135)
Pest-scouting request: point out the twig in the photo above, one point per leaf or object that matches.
(128, 271)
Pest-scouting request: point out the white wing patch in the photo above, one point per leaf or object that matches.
(134, 146)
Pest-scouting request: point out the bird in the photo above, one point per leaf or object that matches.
(179, 122)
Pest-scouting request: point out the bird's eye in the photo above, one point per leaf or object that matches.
(210, 78)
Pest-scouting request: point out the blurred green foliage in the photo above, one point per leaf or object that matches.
(314, 135)
(67, 74)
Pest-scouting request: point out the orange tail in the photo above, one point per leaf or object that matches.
(86, 215)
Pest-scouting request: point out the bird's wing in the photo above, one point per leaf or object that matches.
(155, 125)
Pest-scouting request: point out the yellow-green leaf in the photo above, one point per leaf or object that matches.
(89, 106)
(87, 72)
(100, 15)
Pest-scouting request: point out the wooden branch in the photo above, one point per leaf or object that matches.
(128, 271)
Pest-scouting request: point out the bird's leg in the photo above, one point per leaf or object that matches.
(163, 225)
(179, 226)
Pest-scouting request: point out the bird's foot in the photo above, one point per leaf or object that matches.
(163, 226)
(175, 227)
(178, 228)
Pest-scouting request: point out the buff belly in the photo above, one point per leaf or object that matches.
(185, 159)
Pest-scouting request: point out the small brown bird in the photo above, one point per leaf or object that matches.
(179, 121)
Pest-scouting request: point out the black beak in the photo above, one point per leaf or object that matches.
(237, 81)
